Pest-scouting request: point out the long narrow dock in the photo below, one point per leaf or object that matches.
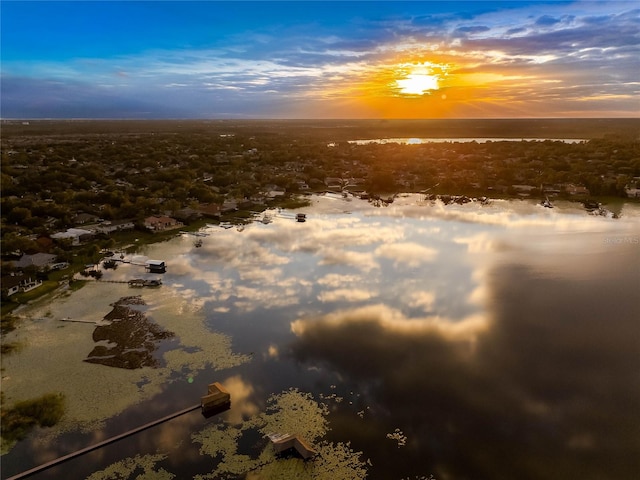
(60, 460)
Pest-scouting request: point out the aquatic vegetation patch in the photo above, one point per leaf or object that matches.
(18, 420)
(292, 412)
(53, 355)
(131, 338)
(127, 468)
(398, 436)
(8, 323)
(338, 460)
(199, 347)
(7, 348)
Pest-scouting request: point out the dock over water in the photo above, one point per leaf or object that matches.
(217, 400)
(284, 442)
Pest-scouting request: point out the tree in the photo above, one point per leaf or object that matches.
(13, 241)
(19, 215)
(381, 181)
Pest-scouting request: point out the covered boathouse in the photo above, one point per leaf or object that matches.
(156, 266)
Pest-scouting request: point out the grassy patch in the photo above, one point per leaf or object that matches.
(8, 323)
(9, 347)
(47, 286)
(293, 202)
(18, 420)
(77, 285)
(7, 308)
(237, 217)
(13, 302)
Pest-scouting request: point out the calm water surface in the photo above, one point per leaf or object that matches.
(419, 141)
(463, 342)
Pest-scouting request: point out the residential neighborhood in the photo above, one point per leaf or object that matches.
(69, 187)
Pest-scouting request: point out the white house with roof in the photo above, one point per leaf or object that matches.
(12, 284)
(158, 223)
(77, 235)
(115, 226)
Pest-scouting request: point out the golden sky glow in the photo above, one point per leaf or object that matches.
(392, 59)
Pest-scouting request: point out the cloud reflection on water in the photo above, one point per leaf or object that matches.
(501, 338)
(541, 382)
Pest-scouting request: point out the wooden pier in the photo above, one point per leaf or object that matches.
(136, 282)
(92, 322)
(70, 456)
(217, 400)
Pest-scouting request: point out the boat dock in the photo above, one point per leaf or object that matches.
(106, 442)
(284, 442)
(217, 400)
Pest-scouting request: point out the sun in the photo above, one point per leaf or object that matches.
(417, 84)
(417, 79)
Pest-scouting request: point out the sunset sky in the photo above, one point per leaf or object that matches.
(320, 59)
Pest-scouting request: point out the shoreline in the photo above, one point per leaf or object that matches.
(144, 238)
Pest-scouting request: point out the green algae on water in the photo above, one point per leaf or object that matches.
(292, 412)
(54, 352)
(125, 469)
(19, 419)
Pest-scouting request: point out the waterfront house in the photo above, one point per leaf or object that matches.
(12, 284)
(115, 226)
(41, 261)
(159, 223)
(187, 214)
(76, 235)
(334, 183)
(211, 210)
(572, 189)
(271, 194)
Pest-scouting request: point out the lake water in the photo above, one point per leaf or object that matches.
(420, 141)
(414, 340)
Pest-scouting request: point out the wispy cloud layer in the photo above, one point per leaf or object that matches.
(538, 59)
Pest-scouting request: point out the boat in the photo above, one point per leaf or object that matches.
(197, 243)
(546, 203)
